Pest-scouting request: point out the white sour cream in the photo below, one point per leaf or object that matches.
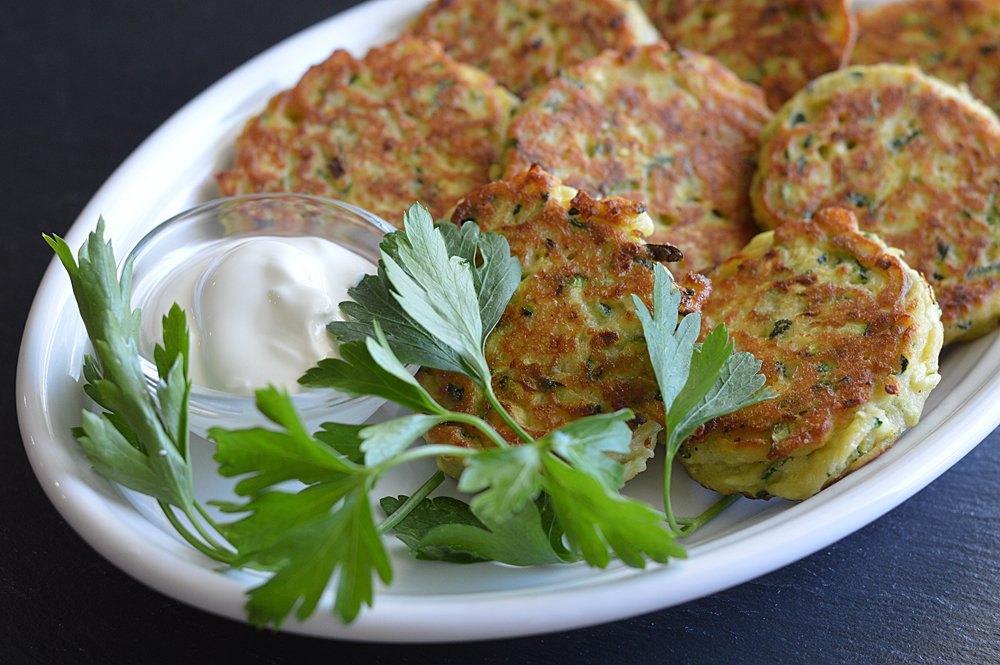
(257, 309)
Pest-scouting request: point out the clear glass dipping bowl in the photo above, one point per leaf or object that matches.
(178, 238)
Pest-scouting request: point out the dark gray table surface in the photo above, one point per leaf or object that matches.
(83, 83)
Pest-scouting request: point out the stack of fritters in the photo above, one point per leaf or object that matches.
(840, 321)
(569, 343)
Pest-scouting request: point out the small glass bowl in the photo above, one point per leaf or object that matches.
(174, 241)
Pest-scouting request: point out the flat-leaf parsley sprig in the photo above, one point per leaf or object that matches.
(132, 442)
(439, 292)
(698, 382)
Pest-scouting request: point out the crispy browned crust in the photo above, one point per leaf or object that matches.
(778, 44)
(916, 160)
(861, 359)
(956, 40)
(404, 124)
(674, 130)
(839, 323)
(524, 43)
(569, 343)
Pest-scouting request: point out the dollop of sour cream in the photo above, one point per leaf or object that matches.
(257, 309)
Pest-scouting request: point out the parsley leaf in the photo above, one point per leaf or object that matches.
(698, 382)
(595, 518)
(345, 439)
(509, 477)
(435, 304)
(431, 513)
(446, 529)
(276, 456)
(498, 275)
(585, 442)
(670, 345)
(304, 537)
(737, 383)
(436, 290)
(569, 465)
(131, 444)
(370, 367)
(383, 441)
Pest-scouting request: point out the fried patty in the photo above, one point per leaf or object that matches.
(674, 130)
(849, 337)
(778, 44)
(957, 41)
(404, 124)
(569, 343)
(917, 160)
(524, 43)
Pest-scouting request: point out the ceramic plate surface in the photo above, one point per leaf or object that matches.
(428, 601)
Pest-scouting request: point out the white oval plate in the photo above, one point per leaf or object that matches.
(428, 601)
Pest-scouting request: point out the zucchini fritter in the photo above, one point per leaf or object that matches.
(524, 43)
(957, 41)
(674, 130)
(917, 160)
(778, 44)
(849, 338)
(405, 124)
(569, 343)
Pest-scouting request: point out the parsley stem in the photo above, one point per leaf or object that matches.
(495, 403)
(422, 492)
(479, 424)
(204, 513)
(430, 450)
(211, 552)
(692, 524)
(201, 530)
(671, 518)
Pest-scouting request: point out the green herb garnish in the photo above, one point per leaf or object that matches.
(307, 515)
(698, 382)
(132, 442)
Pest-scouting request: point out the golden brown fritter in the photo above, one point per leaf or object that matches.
(778, 44)
(849, 338)
(404, 124)
(524, 43)
(569, 343)
(917, 160)
(957, 41)
(674, 130)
